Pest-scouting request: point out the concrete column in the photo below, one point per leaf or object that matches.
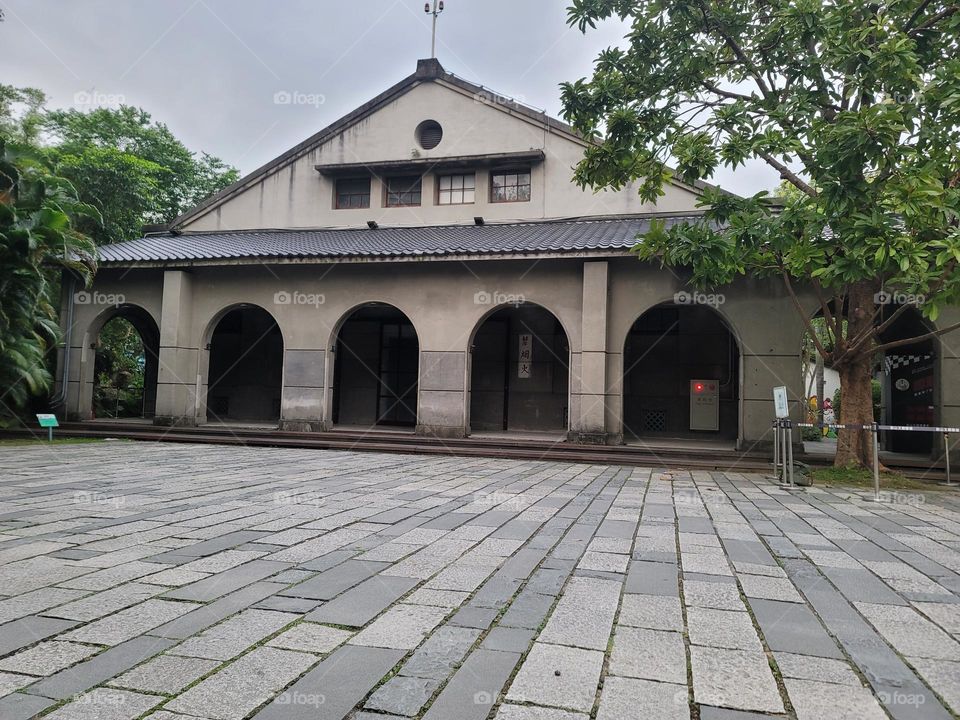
(948, 382)
(302, 407)
(589, 379)
(442, 394)
(177, 379)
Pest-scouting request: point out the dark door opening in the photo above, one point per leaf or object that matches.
(246, 368)
(126, 365)
(908, 384)
(667, 349)
(376, 368)
(519, 377)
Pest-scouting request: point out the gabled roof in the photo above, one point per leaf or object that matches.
(432, 242)
(427, 71)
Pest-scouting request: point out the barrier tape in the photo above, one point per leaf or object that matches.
(856, 426)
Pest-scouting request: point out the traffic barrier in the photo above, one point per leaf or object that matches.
(783, 456)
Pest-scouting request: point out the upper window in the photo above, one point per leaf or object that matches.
(456, 189)
(353, 193)
(403, 190)
(510, 186)
(429, 134)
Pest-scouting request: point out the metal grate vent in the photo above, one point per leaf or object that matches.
(654, 420)
(429, 133)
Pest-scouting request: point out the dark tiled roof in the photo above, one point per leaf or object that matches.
(435, 241)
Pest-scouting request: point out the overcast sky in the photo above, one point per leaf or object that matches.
(210, 69)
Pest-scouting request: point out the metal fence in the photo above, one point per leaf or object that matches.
(783, 447)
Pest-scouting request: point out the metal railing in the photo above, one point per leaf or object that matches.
(783, 447)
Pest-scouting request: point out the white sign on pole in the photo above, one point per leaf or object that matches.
(525, 356)
(780, 401)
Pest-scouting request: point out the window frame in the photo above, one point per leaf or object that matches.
(336, 193)
(464, 174)
(525, 170)
(387, 192)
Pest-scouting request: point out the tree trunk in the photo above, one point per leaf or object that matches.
(855, 447)
(820, 398)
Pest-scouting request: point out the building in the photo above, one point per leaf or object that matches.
(426, 262)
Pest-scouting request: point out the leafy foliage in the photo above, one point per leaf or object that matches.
(119, 370)
(135, 170)
(38, 211)
(857, 107)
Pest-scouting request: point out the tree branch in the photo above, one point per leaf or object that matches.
(918, 338)
(934, 20)
(788, 174)
(811, 330)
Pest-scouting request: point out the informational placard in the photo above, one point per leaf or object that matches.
(525, 356)
(780, 404)
(47, 421)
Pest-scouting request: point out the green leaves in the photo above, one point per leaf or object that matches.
(37, 233)
(856, 105)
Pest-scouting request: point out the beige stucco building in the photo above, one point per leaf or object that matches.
(426, 262)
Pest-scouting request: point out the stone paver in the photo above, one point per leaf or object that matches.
(558, 676)
(305, 585)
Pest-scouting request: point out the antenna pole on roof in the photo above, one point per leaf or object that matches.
(435, 11)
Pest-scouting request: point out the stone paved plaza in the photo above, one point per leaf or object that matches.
(183, 581)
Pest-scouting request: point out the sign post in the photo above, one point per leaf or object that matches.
(49, 422)
(782, 407)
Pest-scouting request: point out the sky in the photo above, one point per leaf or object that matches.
(213, 70)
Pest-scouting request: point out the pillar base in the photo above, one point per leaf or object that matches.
(441, 431)
(594, 438)
(303, 426)
(175, 421)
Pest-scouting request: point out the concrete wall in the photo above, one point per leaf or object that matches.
(595, 301)
(297, 196)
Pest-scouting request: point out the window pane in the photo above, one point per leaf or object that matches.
(468, 196)
(445, 182)
(469, 181)
(497, 181)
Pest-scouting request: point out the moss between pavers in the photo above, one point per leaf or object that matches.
(863, 479)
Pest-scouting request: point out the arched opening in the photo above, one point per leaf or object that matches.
(520, 372)
(376, 369)
(681, 376)
(125, 366)
(246, 367)
(908, 380)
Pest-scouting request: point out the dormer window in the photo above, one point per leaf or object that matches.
(403, 191)
(353, 193)
(456, 189)
(510, 185)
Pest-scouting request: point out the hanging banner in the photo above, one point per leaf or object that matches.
(525, 357)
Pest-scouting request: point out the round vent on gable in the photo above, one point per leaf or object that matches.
(429, 133)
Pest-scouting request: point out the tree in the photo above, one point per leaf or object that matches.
(38, 211)
(856, 105)
(133, 169)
